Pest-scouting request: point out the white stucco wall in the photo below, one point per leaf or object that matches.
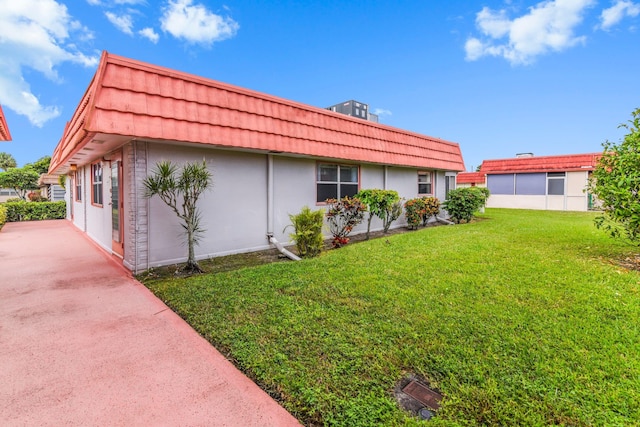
(98, 218)
(79, 206)
(234, 211)
(517, 202)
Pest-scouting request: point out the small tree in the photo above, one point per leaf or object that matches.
(41, 165)
(20, 179)
(7, 161)
(342, 216)
(180, 190)
(616, 183)
(385, 204)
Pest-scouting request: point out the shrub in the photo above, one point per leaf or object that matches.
(35, 196)
(431, 208)
(3, 216)
(462, 203)
(29, 211)
(342, 216)
(385, 204)
(419, 210)
(307, 233)
(413, 209)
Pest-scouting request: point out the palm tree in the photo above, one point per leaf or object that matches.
(7, 161)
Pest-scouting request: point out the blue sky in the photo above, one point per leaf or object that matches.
(497, 77)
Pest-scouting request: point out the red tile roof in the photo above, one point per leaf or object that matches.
(138, 100)
(470, 178)
(4, 129)
(567, 163)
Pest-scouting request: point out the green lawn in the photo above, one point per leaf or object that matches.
(521, 318)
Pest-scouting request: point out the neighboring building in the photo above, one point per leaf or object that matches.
(269, 157)
(544, 182)
(8, 193)
(471, 179)
(5, 135)
(50, 188)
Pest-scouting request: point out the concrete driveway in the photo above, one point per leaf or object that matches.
(83, 343)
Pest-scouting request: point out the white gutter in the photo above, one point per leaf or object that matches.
(270, 212)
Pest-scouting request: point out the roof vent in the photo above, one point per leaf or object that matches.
(354, 109)
(520, 155)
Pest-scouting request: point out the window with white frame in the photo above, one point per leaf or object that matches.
(336, 181)
(555, 183)
(425, 180)
(77, 181)
(96, 184)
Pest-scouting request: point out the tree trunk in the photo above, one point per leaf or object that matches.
(192, 265)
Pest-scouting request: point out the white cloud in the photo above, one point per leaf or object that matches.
(548, 26)
(114, 2)
(123, 22)
(382, 112)
(150, 34)
(40, 35)
(616, 13)
(195, 23)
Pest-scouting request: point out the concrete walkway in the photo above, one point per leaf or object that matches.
(83, 343)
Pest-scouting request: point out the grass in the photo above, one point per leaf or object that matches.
(521, 318)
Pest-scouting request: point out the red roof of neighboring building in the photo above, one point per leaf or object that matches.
(138, 100)
(4, 129)
(470, 178)
(566, 163)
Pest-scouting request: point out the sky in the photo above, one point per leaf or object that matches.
(497, 77)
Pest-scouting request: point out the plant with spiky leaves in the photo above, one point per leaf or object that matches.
(180, 190)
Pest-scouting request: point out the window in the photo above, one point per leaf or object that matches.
(96, 184)
(8, 192)
(501, 184)
(424, 183)
(555, 183)
(531, 184)
(77, 179)
(336, 181)
(449, 184)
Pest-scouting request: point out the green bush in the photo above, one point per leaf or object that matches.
(385, 204)
(31, 211)
(307, 233)
(342, 216)
(462, 203)
(3, 216)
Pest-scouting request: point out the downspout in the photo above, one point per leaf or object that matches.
(270, 212)
(384, 178)
(136, 221)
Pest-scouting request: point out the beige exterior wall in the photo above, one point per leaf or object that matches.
(575, 197)
(516, 202)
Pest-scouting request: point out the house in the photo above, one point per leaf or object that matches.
(269, 157)
(51, 188)
(540, 182)
(471, 179)
(5, 135)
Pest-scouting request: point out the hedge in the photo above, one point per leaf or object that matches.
(3, 216)
(34, 211)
